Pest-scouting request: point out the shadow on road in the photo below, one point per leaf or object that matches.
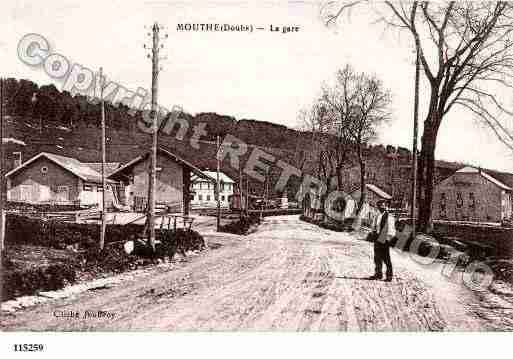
(356, 278)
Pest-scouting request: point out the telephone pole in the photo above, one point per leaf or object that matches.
(218, 185)
(246, 199)
(153, 166)
(104, 224)
(240, 191)
(2, 215)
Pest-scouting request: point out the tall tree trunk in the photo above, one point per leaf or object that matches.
(324, 196)
(427, 177)
(363, 193)
(340, 187)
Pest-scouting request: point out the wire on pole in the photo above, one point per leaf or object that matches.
(155, 49)
(2, 163)
(104, 210)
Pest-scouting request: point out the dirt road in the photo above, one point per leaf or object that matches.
(289, 275)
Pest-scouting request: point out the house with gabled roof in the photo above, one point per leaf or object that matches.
(173, 182)
(204, 188)
(109, 167)
(373, 194)
(472, 195)
(51, 178)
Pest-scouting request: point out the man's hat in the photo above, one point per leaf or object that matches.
(382, 202)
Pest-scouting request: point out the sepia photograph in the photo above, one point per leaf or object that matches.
(244, 166)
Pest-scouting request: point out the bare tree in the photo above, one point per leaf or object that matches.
(465, 49)
(360, 104)
(304, 142)
(331, 144)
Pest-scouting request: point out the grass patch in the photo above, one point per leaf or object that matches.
(242, 226)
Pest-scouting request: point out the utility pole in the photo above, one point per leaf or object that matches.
(218, 155)
(415, 135)
(264, 201)
(104, 224)
(2, 214)
(240, 191)
(153, 165)
(246, 200)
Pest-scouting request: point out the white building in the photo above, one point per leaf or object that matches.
(204, 190)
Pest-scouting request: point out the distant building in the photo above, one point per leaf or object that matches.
(373, 194)
(51, 178)
(204, 190)
(473, 195)
(172, 188)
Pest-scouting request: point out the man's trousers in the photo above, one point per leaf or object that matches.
(382, 255)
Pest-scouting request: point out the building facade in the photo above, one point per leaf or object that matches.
(472, 195)
(53, 179)
(203, 190)
(172, 187)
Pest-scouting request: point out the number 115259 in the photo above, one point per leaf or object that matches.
(28, 347)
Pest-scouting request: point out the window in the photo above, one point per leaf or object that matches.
(222, 198)
(443, 206)
(87, 187)
(459, 200)
(472, 200)
(200, 197)
(62, 193)
(44, 170)
(99, 188)
(208, 197)
(17, 159)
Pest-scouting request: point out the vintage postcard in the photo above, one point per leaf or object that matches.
(256, 166)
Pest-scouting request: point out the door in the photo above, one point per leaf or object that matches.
(25, 193)
(62, 194)
(44, 193)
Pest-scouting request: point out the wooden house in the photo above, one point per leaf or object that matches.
(172, 187)
(48, 178)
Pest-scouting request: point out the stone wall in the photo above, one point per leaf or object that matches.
(499, 240)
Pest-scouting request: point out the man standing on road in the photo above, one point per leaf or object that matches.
(383, 230)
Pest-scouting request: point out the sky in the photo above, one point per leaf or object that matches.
(263, 75)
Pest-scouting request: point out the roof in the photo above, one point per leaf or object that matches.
(495, 181)
(79, 169)
(13, 140)
(168, 153)
(504, 177)
(376, 190)
(213, 174)
(109, 166)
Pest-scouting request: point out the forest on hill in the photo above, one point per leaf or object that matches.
(46, 119)
(47, 106)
